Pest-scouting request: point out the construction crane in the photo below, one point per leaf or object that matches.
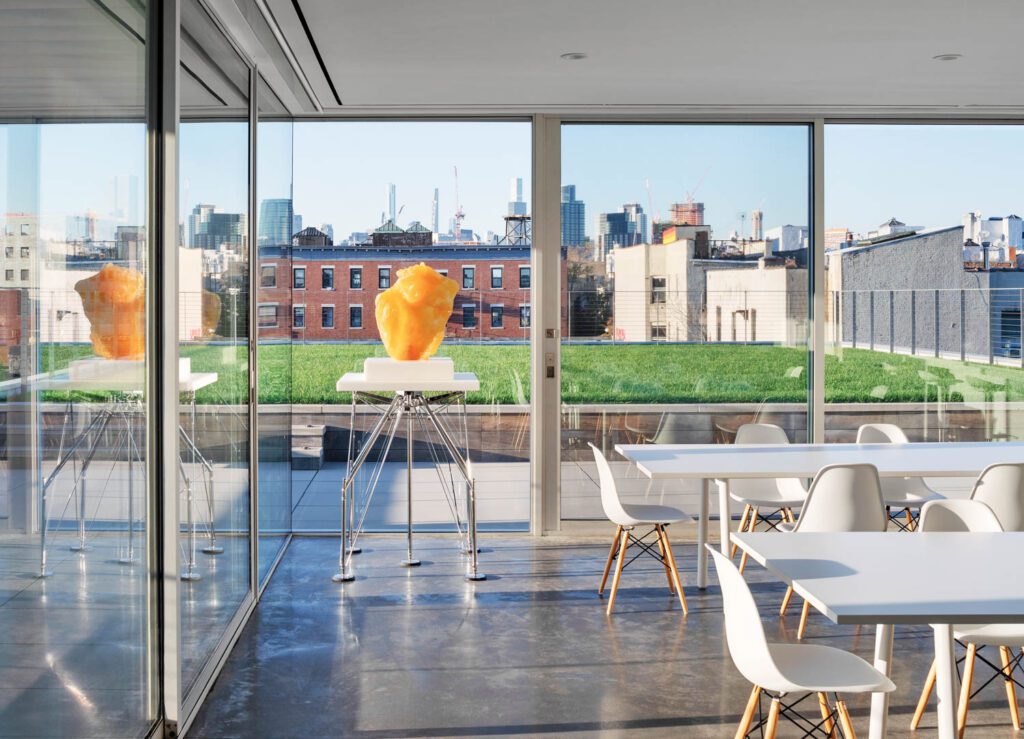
(691, 193)
(459, 215)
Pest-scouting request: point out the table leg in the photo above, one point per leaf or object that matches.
(724, 516)
(883, 663)
(409, 560)
(945, 676)
(702, 534)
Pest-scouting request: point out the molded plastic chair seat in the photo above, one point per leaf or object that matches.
(990, 634)
(816, 667)
(769, 497)
(638, 514)
(897, 492)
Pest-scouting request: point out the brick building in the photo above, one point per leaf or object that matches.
(327, 294)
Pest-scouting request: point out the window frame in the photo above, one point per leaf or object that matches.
(295, 278)
(323, 314)
(497, 275)
(355, 275)
(326, 269)
(354, 310)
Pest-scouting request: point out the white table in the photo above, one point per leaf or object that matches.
(938, 579)
(707, 462)
(412, 399)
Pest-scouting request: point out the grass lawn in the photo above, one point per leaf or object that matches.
(611, 373)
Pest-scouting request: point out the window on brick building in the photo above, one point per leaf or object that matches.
(327, 278)
(524, 316)
(495, 278)
(469, 316)
(524, 277)
(268, 276)
(266, 316)
(497, 316)
(384, 278)
(299, 278)
(299, 316)
(355, 278)
(468, 278)
(355, 316)
(327, 316)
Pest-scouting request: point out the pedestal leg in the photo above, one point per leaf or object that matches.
(883, 663)
(128, 557)
(189, 573)
(409, 560)
(474, 573)
(945, 676)
(702, 534)
(348, 468)
(724, 516)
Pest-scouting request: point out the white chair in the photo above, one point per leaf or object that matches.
(775, 495)
(973, 515)
(1001, 488)
(782, 669)
(904, 494)
(626, 517)
(842, 497)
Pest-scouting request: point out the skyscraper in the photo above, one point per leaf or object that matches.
(757, 225)
(516, 204)
(637, 219)
(687, 214)
(296, 223)
(275, 225)
(573, 218)
(208, 228)
(626, 227)
(392, 213)
(197, 223)
(328, 229)
(436, 219)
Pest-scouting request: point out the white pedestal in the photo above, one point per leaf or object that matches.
(385, 369)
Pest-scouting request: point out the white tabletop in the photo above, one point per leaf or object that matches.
(868, 578)
(60, 381)
(732, 461)
(464, 382)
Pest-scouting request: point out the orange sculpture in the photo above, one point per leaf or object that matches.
(412, 313)
(114, 300)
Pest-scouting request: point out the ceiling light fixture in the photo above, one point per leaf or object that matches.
(947, 57)
(574, 56)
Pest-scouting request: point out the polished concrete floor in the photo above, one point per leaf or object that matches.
(420, 652)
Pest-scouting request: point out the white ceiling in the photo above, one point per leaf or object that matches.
(805, 53)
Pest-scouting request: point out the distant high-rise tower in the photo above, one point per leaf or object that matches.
(328, 229)
(197, 221)
(637, 219)
(573, 218)
(275, 224)
(296, 225)
(436, 219)
(516, 204)
(627, 227)
(757, 225)
(687, 214)
(392, 213)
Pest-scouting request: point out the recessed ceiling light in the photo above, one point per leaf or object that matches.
(947, 57)
(574, 56)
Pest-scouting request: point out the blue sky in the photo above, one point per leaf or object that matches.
(923, 175)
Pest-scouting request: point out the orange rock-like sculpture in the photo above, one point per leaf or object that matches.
(114, 300)
(412, 313)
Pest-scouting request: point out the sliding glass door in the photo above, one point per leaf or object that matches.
(685, 291)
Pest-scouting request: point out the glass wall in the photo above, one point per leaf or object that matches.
(75, 576)
(684, 295)
(274, 350)
(924, 276)
(213, 316)
(373, 198)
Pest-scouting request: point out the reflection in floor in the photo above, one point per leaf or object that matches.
(73, 659)
(420, 652)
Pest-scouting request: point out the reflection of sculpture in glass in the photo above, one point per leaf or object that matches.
(211, 313)
(412, 313)
(114, 300)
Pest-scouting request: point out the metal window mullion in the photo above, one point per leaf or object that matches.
(816, 430)
(162, 115)
(545, 392)
(253, 340)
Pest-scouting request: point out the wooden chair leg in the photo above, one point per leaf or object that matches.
(675, 571)
(751, 526)
(910, 519)
(742, 528)
(660, 532)
(748, 713)
(965, 689)
(826, 714)
(803, 620)
(785, 600)
(844, 720)
(611, 557)
(624, 537)
(926, 693)
(1011, 692)
(772, 724)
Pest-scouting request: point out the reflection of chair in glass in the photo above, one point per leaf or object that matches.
(973, 515)
(763, 498)
(626, 517)
(905, 494)
(783, 669)
(842, 497)
(523, 427)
